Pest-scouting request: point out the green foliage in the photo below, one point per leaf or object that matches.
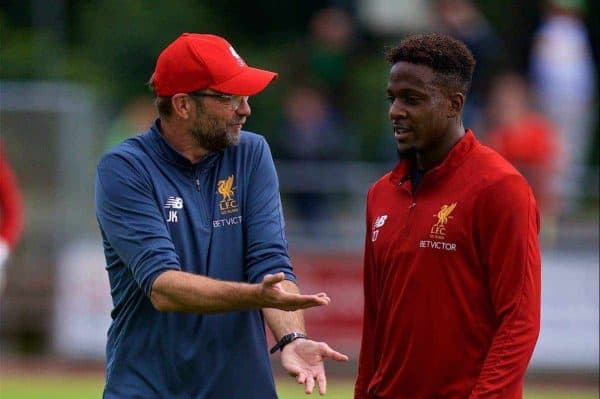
(124, 37)
(28, 54)
(368, 109)
(112, 46)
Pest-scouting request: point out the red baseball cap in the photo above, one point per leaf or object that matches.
(198, 61)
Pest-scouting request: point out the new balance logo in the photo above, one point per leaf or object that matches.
(173, 203)
(380, 221)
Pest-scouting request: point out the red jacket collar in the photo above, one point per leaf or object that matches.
(455, 157)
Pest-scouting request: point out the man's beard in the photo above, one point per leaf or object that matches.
(212, 137)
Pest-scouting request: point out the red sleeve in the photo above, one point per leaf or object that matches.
(508, 224)
(367, 360)
(11, 205)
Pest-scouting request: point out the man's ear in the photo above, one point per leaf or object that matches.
(456, 102)
(182, 105)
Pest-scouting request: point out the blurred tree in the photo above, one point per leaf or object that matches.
(124, 37)
(265, 21)
(515, 22)
(112, 45)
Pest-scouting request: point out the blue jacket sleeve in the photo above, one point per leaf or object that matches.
(266, 246)
(131, 221)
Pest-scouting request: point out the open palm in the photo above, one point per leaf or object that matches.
(303, 359)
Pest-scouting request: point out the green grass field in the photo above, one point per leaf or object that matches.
(70, 386)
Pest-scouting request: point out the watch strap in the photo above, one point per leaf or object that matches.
(286, 339)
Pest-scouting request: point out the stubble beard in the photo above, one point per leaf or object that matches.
(214, 136)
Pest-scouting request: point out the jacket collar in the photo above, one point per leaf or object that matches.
(455, 157)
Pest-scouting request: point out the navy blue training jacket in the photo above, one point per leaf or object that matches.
(220, 218)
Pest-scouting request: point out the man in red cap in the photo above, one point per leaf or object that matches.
(194, 241)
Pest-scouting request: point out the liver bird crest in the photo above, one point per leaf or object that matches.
(225, 188)
(444, 214)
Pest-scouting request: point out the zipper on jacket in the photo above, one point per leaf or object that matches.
(411, 207)
(202, 202)
(196, 177)
(411, 212)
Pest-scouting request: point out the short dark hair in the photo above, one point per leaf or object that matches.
(162, 104)
(449, 58)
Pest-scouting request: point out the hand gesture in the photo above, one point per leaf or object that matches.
(303, 359)
(273, 295)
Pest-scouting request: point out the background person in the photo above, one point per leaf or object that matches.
(311, 131)
(451, 262)
(194, 242)
(563, 74)
(528, 140)
(11, 213)
(463, 20)
(135, 117)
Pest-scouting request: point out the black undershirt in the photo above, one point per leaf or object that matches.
(416, 175)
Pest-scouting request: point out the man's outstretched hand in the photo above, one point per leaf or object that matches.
(303, 359)
(273, 295)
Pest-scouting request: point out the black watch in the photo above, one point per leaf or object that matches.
(286, 340)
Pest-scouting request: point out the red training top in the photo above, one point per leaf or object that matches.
(451, 281)
(11, 205)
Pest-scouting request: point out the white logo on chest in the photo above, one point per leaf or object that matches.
(173, 203)
(227, 222)
(379, 222)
